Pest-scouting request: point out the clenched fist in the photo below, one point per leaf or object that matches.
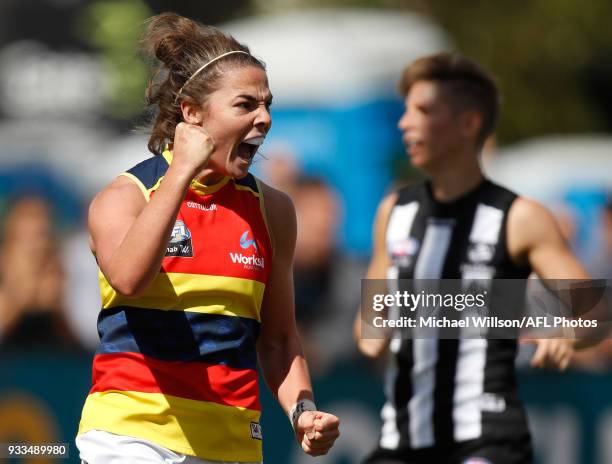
(317, 431)
(192, 147)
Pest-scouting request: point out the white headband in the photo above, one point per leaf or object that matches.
(201, 68)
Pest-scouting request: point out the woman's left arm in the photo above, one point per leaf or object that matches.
(279, 348)
(534, 237)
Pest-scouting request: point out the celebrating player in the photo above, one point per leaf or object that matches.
(196, 259)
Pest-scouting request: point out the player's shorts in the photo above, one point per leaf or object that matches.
(511, 450)
(99, 447)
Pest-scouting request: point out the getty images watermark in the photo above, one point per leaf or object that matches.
(500, 308)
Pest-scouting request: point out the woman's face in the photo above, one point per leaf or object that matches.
(237, 117)
(431, 131)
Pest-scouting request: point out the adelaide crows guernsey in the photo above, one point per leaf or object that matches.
(177, 365)
(445, 391)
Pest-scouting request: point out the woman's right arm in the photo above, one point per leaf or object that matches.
(379, 263)
(128, 234)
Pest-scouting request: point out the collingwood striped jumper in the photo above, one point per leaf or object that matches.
(445, 391)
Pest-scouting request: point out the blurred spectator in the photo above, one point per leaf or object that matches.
(317, 209)
(82, 294)
(602, 268)
(281, 169)
(31, 280)
(599, 358)
(327, 282)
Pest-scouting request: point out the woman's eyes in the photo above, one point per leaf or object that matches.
(251, 106)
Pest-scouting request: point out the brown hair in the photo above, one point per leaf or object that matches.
(179, 47)
(467, 85)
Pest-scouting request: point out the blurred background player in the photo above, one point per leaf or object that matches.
(196, 274)
(455, 400)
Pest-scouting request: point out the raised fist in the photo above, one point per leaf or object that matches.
(192, 146)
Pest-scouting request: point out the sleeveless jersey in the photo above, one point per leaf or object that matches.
(178, 365)
(445, 391)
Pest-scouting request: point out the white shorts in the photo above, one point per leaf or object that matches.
(99, 447)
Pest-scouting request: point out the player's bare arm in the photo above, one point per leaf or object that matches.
(534, 237)
(128, 234)
(377, 269)
(279, 349)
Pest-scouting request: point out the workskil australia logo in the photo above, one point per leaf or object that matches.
(245, 242)
(249, 262)
(180, 241)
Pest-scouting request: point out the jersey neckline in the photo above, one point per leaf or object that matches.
(195, 185)
(461, 201)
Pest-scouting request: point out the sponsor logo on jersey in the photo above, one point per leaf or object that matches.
(180, 241)
(248, 261)
(480, 253)
(256, 431)
(478, 271)
(490, 402)
(403, 251)
(201, 207)
(245, 242)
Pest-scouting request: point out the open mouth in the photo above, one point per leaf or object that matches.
(247, 149)
(412, 144)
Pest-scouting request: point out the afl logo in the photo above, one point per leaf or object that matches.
(180, 241)
(403, 251)
(480, 252)
(180, 232)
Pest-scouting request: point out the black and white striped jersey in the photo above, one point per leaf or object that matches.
(445, 391)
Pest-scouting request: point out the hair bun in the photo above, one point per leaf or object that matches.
(177, 48)
(167, 35)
